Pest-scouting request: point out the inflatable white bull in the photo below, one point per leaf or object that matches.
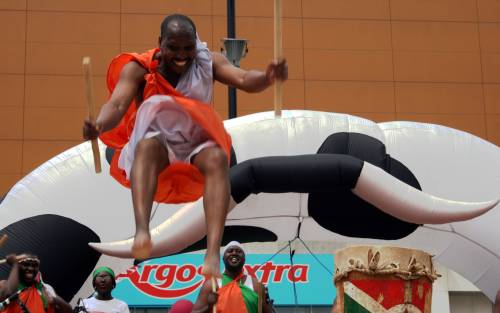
(71, 205)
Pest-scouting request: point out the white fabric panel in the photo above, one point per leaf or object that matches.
(482, 230)
(267, 204)
(430, 240)
(467, 258)
(312, 231)
(274, 224)
(488, 283)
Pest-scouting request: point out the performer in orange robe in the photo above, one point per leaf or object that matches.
(33, 295)
(180, 182)
(237, 290)
(170, 144)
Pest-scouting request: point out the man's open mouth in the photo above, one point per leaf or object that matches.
(29, 275)
(180, 63)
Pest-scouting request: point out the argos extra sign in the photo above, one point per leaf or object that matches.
(161, 282)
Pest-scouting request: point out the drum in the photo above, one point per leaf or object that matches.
(380, 279)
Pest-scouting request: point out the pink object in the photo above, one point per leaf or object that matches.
(182, 306)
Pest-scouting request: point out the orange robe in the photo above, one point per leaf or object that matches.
(230, 298)
(179, 182)
(32, 300)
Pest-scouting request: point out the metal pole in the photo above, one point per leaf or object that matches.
(231, 29)
(231, 33)
(278, 88)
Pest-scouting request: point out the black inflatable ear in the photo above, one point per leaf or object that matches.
(345, 213)
(61, 243)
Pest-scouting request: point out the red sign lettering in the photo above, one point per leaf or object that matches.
(154, 290)
(146, 271)
(166, 274)
(301, 277)
(157, 279)
(278, 275)
(181, 273)
(267, 269)
(252, 269)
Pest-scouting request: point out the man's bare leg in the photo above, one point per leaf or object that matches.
(212, 162)
(150, 158)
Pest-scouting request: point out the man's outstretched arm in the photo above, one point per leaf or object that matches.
(248, 80)
(131, 78)
(9, 286)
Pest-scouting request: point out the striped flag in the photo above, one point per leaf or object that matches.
(387, 296)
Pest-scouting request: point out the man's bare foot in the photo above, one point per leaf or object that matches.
(211, 266)
(141, 249)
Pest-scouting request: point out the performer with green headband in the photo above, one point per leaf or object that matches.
(24, 291)
(102, 301)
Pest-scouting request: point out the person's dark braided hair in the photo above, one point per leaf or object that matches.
(183, 20)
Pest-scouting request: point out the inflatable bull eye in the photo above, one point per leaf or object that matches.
(320, 176)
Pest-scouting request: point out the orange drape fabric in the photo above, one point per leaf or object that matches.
(31, 298)
(230, 298)
(179, 182)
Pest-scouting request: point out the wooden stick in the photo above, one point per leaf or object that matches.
(278, 54)
(3, 239)
(214, 289)
(90, 103)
